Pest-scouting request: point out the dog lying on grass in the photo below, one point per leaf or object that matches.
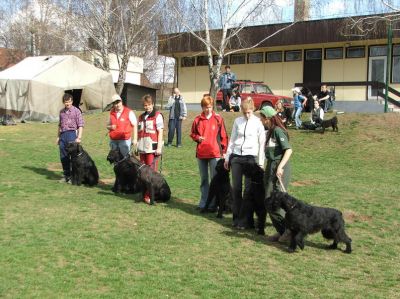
(333, 122)
(125, 173)
(84, 170)
(220, 188)
(303, 219)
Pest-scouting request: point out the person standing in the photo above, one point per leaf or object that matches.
(150, 137)
(208, 131)
(177, 113)
(299, 102)
(121, 125)
(277, 171)
(225, 84)
(246, 145)
(70, 129)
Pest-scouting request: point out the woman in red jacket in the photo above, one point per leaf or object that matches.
(208, 130)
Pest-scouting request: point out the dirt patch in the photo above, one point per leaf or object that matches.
(3, 154)
(54, 166)
(106, 181)
(305, 183)
(351, 216)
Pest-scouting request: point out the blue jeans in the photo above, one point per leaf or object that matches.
(124, 146)
(175, 124)
(65, 138)
(204, 166)
(297, 114)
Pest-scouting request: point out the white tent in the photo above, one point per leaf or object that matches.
(33, 88)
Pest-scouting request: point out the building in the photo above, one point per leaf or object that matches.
(307, 53)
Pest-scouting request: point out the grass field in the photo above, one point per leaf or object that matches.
(62, 241)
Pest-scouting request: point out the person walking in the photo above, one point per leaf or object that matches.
(246, 145)
(122, 127)
(70, 129)
(225, 84)
(177, 113)
(150, 137)
(300, 101)
(208, 131)
(277, 171)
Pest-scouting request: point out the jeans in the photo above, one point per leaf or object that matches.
(124, 146)
(204, 166)
(297, 114)
(226, 95)
(272, 184)
(65, 138)
(175, 124)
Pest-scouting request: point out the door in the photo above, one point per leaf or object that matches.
(376, 72)
(312, 69)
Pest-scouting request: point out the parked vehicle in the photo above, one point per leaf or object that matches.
(260, 92)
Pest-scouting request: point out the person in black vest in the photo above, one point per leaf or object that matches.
(177, 113)
(317, 116)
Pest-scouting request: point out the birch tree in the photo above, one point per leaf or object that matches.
(200, 17)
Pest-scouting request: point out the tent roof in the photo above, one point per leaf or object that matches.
(31, 67)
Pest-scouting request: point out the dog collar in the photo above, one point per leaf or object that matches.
(123, 159)
(80, 154)
(292, 207)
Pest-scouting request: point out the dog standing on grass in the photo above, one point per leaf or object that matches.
(220, 188)
(333, 122)
(303, 219)
(83, 168)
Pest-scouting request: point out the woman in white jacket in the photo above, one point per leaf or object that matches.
(246, 144)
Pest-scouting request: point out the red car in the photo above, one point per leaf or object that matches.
(259, 92)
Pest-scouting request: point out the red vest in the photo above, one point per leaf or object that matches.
(124, 126)
(147, 133)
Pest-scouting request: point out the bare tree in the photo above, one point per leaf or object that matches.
(200, 17)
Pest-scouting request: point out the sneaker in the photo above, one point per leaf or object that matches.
(168, 145)
(65, 180)
(179, 145)
(274, 238)
(287, 235)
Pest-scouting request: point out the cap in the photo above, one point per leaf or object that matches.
(268, 111)
(296, 89)
(115, 98)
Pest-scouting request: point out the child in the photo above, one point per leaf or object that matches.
(235, 101)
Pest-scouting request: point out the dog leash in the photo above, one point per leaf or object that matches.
(281, 183)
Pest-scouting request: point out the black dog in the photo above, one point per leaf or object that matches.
(125, 173)
(333, 122)
(254, 198)
(84, 170)
(151, 181)
(303, 219)
(220, 188)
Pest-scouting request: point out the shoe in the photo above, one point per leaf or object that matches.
(287, 235)
(274, 238)
(179, 145)
(65, 180)
(168, 145)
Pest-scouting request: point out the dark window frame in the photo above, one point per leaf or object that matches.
(225, 60)
(187, 58)
(372, 46)
(317, 49)
(272, 52)
(397, 56)
(202, 57)
(355, 47)
(259, 53)
(336, 48)
(238, 54)
(288, 51)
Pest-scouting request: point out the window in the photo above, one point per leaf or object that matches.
(334, 53)
(247, 88)
(293, 55)
(202, 60)
(224, 60)
(313, 54)
(378, 51)
(255, 58)
(274, 56)
(355, 52)
(396, 64)
(238, 58)
(187, 61)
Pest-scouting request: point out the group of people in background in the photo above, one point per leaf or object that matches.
(259, 139)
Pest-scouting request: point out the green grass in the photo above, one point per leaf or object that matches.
(64, 241)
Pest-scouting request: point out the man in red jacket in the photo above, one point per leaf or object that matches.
(208, 130)
(122, 127)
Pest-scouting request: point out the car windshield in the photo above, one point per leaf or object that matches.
(262, 88)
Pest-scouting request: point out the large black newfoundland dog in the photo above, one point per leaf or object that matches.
(220, 188)
(84, 171)
(333, 122)
(125, 173)
(303, 219)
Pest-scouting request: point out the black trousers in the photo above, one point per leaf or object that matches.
(226, 95)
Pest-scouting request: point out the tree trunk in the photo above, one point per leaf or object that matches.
(122, 74)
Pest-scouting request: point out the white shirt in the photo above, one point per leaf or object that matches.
(247, 138)
(159, 121)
